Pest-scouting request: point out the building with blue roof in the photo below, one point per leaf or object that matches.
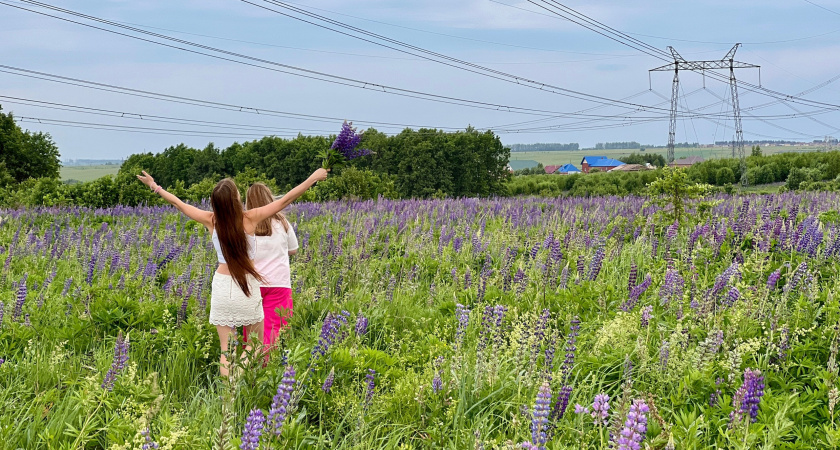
(601, 163)
(567, 169)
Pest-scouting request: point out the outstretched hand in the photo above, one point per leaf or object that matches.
(318, 175)
(146, 179)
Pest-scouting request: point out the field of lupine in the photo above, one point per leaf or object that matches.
(459, 324)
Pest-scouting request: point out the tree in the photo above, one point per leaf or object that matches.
(756, 151)
(650, 158)
(27, 154)
(674, 188)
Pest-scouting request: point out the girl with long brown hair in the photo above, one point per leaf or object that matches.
(276, 242)
(235, 299)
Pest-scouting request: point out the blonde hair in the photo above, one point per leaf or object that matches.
(258, 196)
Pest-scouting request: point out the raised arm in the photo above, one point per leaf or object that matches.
(199, 215)
(257, 215)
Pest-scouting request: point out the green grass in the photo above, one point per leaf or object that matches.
(574, 157)
(87, 173)
(464, 308)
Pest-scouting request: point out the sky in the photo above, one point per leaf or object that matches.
(794, 41)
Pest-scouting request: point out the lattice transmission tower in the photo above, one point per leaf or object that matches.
(727, 62)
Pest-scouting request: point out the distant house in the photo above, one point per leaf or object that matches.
(631, 168)
(567, 169)
(551, 169)
(601, 163)
(689, 161)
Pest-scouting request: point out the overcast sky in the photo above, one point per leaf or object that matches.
(795, 41)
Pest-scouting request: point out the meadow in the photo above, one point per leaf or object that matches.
(88, 173)
(574, 157)
(424, 324)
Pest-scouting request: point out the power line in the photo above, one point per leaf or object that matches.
(308, 73)
(823, 7)
(683, 40)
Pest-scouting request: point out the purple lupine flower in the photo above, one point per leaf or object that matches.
(714, 398)
(636, 293)
(571, 348)
(580, 265)
(346, 142)
(664, 353)
(2, 361)
(733, 295)
(462, 313)
(672, 287)
(521, 281)
(747, 397)
(773, 279)
(634, 273)
(562, 403)
(601, 409)
(539, 419)
(564, 277)
(635, 427)
(580, 409)
(253, 430)
(528, 446)
(534, 251)
(149, 444)
(280, 403)
(370, 386)
(784, 343)
(671, 233)
(328, 382)
(329, 333)
(361, 325)
(2, 312)
(118, 364)
(437, 383)
(91, 268)
(467, 279)
(67, 284)
(21, 298)
(26, 321)
(646, 315)
(595, 264)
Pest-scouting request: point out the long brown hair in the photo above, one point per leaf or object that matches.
(258, 196)
(228, 222)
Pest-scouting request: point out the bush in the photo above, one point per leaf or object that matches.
(355, 184)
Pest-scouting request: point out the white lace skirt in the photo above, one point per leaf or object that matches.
(230, 307)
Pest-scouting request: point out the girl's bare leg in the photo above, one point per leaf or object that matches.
(224, 340)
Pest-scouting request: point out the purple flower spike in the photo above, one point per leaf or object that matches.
(647, 314)
(635, 427)
(773, 279)
(539, 420)
(361, 325)
(119, 363)
(371, 386)
(437, 383)
(150, 443)
(327, 387)
(253, 430)
(601, 409)
(748, 397)
(280, 403)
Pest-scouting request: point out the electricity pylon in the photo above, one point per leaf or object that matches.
(727, 62)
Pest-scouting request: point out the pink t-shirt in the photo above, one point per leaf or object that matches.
(271, 258)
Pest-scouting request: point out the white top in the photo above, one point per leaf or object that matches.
(218, 246)
(272, 256)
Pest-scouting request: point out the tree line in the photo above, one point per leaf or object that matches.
(412, 164)
(539, 147)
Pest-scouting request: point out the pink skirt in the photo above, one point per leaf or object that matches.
(277, 306)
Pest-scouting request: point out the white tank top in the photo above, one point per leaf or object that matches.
(252, 246)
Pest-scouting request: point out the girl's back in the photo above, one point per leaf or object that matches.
(271, 258)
